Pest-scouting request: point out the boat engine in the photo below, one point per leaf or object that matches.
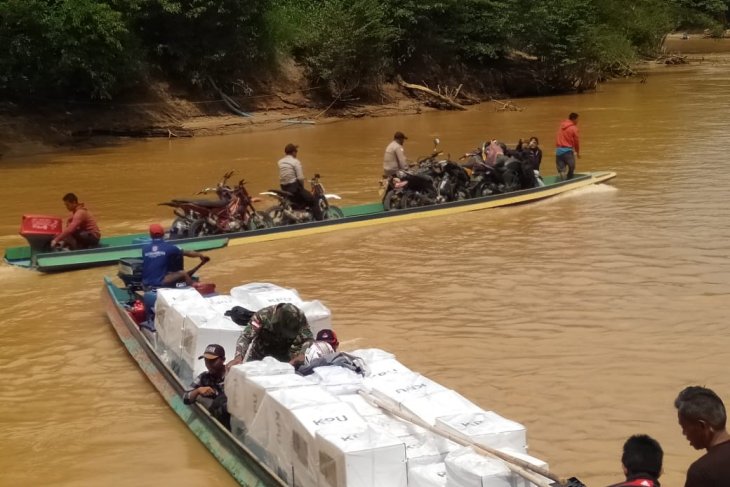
(39, 230)
(130, 272)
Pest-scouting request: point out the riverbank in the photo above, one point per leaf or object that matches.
(40, 126)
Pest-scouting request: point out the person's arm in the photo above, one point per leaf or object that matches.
(76, 220)
(190, 396)
(304, 338)
(299, 171)
(576, 142)
(192, 253)
(400, 157)
(244, 341)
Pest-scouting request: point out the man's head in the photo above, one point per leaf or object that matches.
(642, 454)
(71, 201)
(291, 149)
(215, 358)
(399, 137)
(701, 415)
(574, 117)
(156, 231)
(534, 142)
(328, 336)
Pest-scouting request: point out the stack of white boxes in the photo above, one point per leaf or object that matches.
(318, 431)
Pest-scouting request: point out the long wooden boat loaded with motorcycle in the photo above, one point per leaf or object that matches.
(488, 190)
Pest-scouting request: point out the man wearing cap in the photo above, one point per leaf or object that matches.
(291, 180)
(162, 262)
(280, 331)
(394, 159)
(207, 388)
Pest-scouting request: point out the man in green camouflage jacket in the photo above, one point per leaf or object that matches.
(280, 331)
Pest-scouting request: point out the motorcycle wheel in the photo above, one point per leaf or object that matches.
(462, 195)
(276, 215)
(391, 201)
(333, 213)
(199, 228)
(413, 199)
(259, 220)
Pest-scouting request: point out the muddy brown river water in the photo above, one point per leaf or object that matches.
(581, 316)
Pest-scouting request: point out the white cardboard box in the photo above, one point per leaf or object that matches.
(466, 468)
(199, 332)
(247, 395)
(430, 475)
(256, 295)
(486, 428)
(360, 457)
(517, 480)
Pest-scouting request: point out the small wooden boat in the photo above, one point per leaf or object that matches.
(232, 455)
(356, 216)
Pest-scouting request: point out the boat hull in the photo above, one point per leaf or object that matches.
(232, 455)
(355, 217)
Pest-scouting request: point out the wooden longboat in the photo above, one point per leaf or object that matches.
(354, 217)
(232, 455)
(110, 250)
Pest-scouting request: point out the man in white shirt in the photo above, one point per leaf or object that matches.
(291, 180)
(395, 156)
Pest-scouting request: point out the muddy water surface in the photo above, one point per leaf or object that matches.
(580, 317)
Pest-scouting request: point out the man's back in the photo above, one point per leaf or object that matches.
(156, 259)
(290, 170)
(394, 157)
(712, 469)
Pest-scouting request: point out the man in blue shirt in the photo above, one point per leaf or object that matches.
(162, 262)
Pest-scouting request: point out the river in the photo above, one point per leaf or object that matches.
(581, 316)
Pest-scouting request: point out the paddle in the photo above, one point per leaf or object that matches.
(195, 269)
(516, 465)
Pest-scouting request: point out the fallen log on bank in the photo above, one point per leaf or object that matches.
(447, 100)
(138, 133)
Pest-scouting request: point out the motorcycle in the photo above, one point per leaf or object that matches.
(417, 186)
(233, 211)
(289, 211)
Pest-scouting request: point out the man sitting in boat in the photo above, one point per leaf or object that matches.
(162, 262)
(207, 388)
(280, 331)
(81, 231)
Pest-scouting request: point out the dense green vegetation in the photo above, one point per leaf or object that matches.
(99, 48)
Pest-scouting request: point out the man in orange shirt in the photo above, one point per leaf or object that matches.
(567, 147)
(81, 230)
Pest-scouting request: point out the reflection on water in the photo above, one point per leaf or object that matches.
(580, 316)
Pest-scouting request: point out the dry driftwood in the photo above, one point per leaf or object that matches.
(504, 106)
(447, 100)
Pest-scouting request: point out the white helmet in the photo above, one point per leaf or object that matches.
(317, 350)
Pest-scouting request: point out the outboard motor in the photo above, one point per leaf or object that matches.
(39, 230)
(130, 272)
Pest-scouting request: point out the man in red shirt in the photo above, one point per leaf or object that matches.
(81, 230)
(703, 418)
(567, 147)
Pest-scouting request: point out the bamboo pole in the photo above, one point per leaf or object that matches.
(532, 473)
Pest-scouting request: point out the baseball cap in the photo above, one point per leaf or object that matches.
(156, 230)
(213, 351)
(328, 336)
(400, 135)
(290, 148)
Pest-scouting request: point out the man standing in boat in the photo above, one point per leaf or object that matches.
(291, 180)
(81, 231)
(162, 262)
(703, 419)
(280, 331)
(394, 159)
(567, 147)
(207, 388)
